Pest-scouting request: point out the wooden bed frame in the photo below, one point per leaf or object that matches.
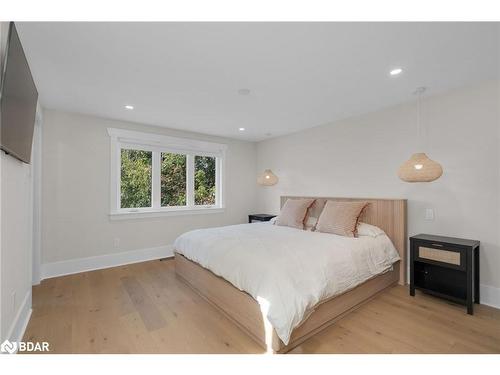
(245, 312)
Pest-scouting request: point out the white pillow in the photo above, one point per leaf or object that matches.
(369, 230)
(310, 224)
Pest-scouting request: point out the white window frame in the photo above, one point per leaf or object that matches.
(128, 139)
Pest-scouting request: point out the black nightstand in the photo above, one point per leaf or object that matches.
(259, 217)
(445, 267)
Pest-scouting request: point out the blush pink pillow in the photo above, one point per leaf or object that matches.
(340, 218)
(294, 212)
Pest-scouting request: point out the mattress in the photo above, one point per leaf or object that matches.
(287, 271)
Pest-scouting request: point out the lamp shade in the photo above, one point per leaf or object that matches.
(419, 168)
(268, 178)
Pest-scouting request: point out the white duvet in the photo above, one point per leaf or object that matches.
(288, 270)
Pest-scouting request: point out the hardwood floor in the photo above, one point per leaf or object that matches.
(144, 308)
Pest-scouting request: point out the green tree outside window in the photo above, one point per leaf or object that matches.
(173, 179)
(135, 178)
(204, 180)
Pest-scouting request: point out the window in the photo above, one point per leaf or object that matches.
(155, 175)
(173, 179)
(135, 178)
(204, 180)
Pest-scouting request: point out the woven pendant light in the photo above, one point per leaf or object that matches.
(268, 178)
(420, 168)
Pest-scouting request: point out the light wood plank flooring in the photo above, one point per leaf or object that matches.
(144, 308)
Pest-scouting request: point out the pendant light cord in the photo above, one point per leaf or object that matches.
(419, 124)
(419, 91)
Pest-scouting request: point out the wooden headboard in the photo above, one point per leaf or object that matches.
(387, 214)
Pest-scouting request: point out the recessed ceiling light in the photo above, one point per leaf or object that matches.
(244, 92)
(396, 71)
(129, 107)
(241, 129)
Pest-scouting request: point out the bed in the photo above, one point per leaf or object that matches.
(282, 285)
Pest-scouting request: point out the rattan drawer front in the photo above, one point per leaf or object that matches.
(444, 256)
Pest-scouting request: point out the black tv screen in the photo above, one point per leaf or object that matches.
(18, 101)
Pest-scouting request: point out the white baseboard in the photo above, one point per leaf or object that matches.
(68, 267)
(489, 295)
(18, 327)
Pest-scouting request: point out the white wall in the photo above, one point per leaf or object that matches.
(16, 244)
(75, 191)
(359, 157)
(15, 240)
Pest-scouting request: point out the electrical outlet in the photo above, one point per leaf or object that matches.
(429, 214)
(116, 243)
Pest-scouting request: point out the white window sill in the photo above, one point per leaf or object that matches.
(151, 213)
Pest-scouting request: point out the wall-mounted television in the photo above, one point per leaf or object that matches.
(18, 100)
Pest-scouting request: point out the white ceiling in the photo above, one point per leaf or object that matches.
(186, 75)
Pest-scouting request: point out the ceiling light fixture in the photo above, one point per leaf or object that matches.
(130, 107)
(268, 178)
(419, 168)
(396, 71)
(241, 129)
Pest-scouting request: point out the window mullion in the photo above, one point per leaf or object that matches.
(156, 180)
(190, 180)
